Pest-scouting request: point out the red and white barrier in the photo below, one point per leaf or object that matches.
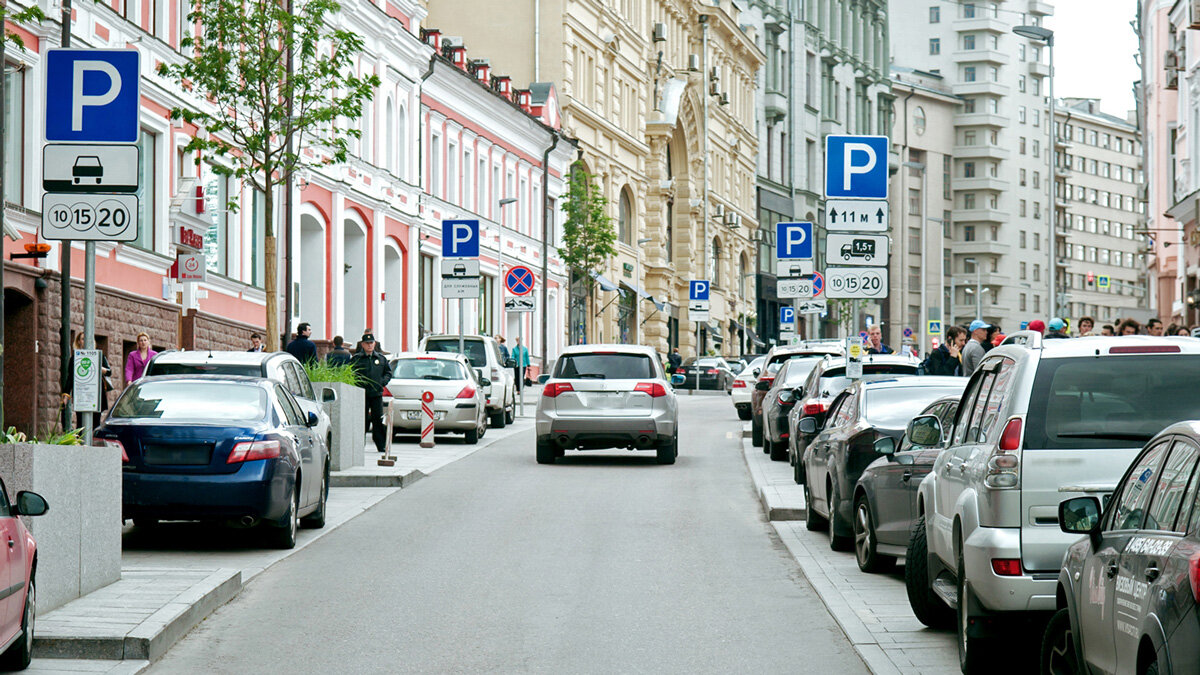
(426, 419)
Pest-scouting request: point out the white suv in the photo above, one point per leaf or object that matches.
(1039, 422)
(484, 354)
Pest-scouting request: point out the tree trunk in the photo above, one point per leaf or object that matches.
(270, 268)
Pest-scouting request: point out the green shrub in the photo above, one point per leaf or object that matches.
(323, 372)
(51, 436)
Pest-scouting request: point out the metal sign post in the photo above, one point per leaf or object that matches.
(460, 239)
(519, 282)
(698, 306)
(388, 459)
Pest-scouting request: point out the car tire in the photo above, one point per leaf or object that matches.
(974, 654)
(1152, 668)
(756, 432)
(316, 519)
(812, 521)
(837, 542)
(869, 559)
(668, 451)
(497, 420)
(20, 653)
(472, 436)
(510, 415)
(744, 413)
(1058, 653)
(779, 451)
(926, 605)
(545, 452)
(284, 535)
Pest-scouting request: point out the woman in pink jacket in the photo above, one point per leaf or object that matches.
(135, 364)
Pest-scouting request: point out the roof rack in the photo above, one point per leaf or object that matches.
(1030, 339)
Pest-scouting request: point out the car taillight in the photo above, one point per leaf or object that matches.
(467, 392)
(553, 389)
(739, 384)
(252, 450)
(1007, 567)
(654, 389)
(495, 374)
(712, 371)
(1004, 465)
(386, 392)
(1194, 575)
(814, 408)
(114, 443)
(679, 371)
(1010, 440)
(768, 380)
(1151, 349)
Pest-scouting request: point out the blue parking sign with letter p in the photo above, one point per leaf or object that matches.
(856, 167)
(698, 290)
(794, 241)
(460, 238)
(93, 95)
(787, 315)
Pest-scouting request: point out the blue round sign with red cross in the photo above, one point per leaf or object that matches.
(519, 280)
(818, 284)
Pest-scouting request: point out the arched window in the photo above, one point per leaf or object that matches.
(625, 218)
(742, 277)
(714, 264)
(389, 135)
(402, 144)
(364, 123)
(670, 242)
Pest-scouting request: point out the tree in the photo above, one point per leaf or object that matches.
(276, 81)
(588, 237)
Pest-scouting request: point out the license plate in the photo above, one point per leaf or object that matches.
(416, 415)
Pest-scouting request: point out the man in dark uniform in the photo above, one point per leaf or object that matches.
(373, 368)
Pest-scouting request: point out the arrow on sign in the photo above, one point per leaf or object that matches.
(879, 215)
(833, 214)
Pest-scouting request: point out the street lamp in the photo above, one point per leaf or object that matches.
(637, 328)
(978, 290)
(1040, 34)
(920, 327)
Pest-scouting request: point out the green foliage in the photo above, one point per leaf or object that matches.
(33, 14)
(321, 371)
(51, 436)
(845, 313)
(589, 237)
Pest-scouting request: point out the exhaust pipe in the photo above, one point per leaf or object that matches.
(643, 442)
(564, 441)
(248, 521)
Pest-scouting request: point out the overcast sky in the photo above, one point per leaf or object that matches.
(1094, 47)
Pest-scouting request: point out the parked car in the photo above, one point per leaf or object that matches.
(826, 380)
(861, 415)
(484, 354)
(279, 366)
(885, 498)
(771, 364)
(712, 372)
(743, 384)
(17, 614)
(1128, 592)
(1041, 421)
(782, 394)
(607, 396)
(232, 449)
(459, 404)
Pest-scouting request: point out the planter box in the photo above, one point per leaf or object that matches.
(79, 538)
(347, 423)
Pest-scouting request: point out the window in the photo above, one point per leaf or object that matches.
(968, 42)
(969, 200)
(1037, 180)
(971, 411)
(1037, 238)
(1178, 473)
(1037, 213)
(1037, 145)
(216, 239)
(452, 173)
(1037, 272)
(914, 202)
(1021, 114)
(487, 305)
(968, 105)
(935, 46)
(1022, 270)
(625, 219)
(147, 188)
(989, 428)
(258, 232)
(969, 10)
(968, 233)
(1135, 493)
(1037, 303)
(714, 263)
(968, 169)
(1021, 208)
(1021, 145)
(1022, 177)
(435, 166)
(969, 73)
(1021, 83)
(1022, 238)
(522, 206)
(14, 136)
(935, 15)
(426, 296)
(1037, 117)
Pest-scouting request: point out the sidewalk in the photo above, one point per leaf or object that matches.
(176, 574)
(871, 609)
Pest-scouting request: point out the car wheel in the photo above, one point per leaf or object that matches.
(973, 652)
(668, 451)
(545, 452)
(1058, 655)
(1151, 669)
(316, 519)
(509, 415)
(812, 521)
(779, 451)
(926, 605)
(497, 420)
(756, 432)
(20, 653)
(284, 535)
(837, 541)
(744, 413)
(472, 436)
(869, 560)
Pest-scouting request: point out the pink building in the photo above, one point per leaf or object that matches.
(1159, 98)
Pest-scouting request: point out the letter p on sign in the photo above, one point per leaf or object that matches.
(93, 95)
(460, 238)
(856, 167)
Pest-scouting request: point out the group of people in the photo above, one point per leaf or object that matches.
(135, 367)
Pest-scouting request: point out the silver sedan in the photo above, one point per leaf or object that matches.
(459, 402)
(607, 396)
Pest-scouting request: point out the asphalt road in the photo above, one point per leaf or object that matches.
(605, 562)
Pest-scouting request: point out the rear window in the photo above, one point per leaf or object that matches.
(605, 367)
(428, 369)
(1117, 402)
(475, 350)
(834, 380)
(799, 370)
(214, 402)
(894, 407)
(250, 370)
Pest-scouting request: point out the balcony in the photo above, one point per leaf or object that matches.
(981, 87)
(981, 183)
(1040, 8)
(1062, 142)
(980, 120)
(981, 152)
(829, 126)
(1039, 69)
(776, 104)
(981, 56)
(981, 216)
(978, 247)
(989, 24)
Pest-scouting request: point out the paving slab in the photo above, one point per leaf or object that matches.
(781, 498)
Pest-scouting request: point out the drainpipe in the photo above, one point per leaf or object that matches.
(420, 126)
(546, 253)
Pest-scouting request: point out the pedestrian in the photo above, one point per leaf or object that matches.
(138, 359)
(339, 355)
(1058, 329)
(1108, 330)
(256, 344)
(504, 355)
(1154, 327)
(301, 347)
(1183, 331)
(973, 352)
(1086, 324)
(675, 359)
(521, 355)
(875, 341)
(374, 374)
(105, 386)
(1038, 325)
(947, 358)
(1129, 327)
(990, 341)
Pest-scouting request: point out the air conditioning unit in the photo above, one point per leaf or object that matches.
(719, 210)
(714, 75)
(660, 32)
(694, 63)
(1194, 5)
(724, 100)
(733, 221)
(1170, 60)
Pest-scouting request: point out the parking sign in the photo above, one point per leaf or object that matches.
(460, 238)
(794, 241)
(95, 95)
(698, 290)
(856, 167)
(787, 315)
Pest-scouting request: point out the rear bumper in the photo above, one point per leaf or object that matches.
(1024, 593)
(605, 432)
(455, 418)
(706, 382)
(741, 397)
(258, 489)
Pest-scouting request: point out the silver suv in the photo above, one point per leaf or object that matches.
(484, 354)
(1039, 422)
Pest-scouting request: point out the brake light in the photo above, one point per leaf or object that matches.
(553, 389)
(251, 450)
(1004, 465)
(679, 371)
(1194, 575)
(654, 389)
(1010, 440)
(495, 374)
(814, 408)
(768, 380)
(114, 443)
(1148, 349)
(386, 392)
(1007, 567)
(739, 384)
(712, 371)
(467, 392)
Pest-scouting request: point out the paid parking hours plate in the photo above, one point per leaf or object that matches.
(856, 282)
(795, 288)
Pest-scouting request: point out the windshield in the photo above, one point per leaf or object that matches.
(894, 407)
(605, 367)
(224, 402)
(1120, 402)
(799, 369)
(475, 349)
(248, 369)
(427, 369)
(834, 380)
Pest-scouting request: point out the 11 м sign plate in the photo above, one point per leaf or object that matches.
(94, 217)
(856, 215)
(856, 282)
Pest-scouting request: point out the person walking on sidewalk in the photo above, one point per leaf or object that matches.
(303, 348)
(521, 355)
(339, 355)
(675, 360)
(504, 355)
(973, 353)
(256, 344)
(138, 359)
(374, 373)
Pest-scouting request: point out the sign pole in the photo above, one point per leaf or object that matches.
(460, 326)
(64, 265)
(696, 365)
(520, 385)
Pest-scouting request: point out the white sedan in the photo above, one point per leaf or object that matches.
(743, 384)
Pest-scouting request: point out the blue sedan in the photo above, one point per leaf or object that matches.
(234, 449)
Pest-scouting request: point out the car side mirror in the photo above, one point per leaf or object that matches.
(1080, 515)
(30, 504)
(787, 397)
(925, 431)
(755, 372)
(313, 420)
(885, 445)
(798, 392)
(677, 380)
(807, 425)
(484, 382)
(762, 386)
(511, 363)
(328, 395)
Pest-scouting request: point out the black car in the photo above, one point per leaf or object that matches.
(782, 394)
(1128, 592)
(859, 416)
(714, 373)
(885, 499)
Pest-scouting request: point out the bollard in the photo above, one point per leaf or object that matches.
(426, 419)
(388, 459)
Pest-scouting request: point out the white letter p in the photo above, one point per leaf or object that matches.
(79, 100)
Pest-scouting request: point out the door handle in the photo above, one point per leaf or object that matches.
(1152, 572)
(11, 543)
(1112, 569)
(907, 476)
(962, 468)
